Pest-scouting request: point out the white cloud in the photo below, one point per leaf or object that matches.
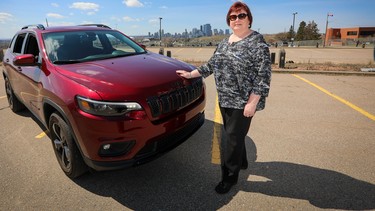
(129, 19)
(55, 5)
(5, 17)
(54, 15)
(163, 7)
(115, 19)
(133, 3)
(153, 21)
(87, 22)
(61, 24)
(85, 6)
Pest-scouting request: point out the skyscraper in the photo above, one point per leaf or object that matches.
(206, 29)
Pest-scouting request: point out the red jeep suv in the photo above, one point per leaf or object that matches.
(106, 101)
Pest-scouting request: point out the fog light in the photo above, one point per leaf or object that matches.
(116, 148)
(106, 146)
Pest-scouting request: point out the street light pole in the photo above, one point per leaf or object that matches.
(294, 18)
(325, 37)
(160, 30)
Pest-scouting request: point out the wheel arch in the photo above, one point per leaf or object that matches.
(49, 107)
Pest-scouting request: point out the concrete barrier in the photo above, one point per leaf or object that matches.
(1, 55)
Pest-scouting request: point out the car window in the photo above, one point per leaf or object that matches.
(32, 45)
(19, 43)
(81, 46)
(118, 45)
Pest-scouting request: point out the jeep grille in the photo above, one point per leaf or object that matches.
(176, 99)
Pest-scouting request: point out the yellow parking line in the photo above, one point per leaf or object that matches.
(351, 105)
(179, 50)
(1, 97)
(199, 50)
(215, 155)
(41, 135)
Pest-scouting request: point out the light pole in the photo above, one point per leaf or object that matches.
(160, 30)
(294, 19)
(325, 37)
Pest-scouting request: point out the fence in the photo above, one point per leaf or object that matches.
(360, 43)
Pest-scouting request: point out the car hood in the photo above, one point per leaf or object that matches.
(133, 75)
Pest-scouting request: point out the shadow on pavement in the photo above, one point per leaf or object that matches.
(26, 113)
(322, 188)
(185, 178)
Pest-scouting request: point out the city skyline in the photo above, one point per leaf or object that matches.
(204, 30)
(139, 17)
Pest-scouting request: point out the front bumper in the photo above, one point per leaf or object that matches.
(154, 148)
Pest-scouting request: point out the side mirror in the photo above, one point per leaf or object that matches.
(25, 60)
(143, 46)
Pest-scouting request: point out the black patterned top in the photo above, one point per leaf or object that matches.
(240, 68)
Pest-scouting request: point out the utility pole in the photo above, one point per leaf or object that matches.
(325, 37)
(294, 18)
(160, 30)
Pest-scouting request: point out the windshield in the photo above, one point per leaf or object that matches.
(81, 46)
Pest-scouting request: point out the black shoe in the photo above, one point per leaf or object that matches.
(224, 187)
(244, 165)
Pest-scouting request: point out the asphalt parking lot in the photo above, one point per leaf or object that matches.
(312, 148)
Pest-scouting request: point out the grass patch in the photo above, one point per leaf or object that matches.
(327, 66)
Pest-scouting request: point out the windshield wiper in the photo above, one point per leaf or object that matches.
(126, 54)
(67, 62)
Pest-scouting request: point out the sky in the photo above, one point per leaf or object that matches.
(139, 17)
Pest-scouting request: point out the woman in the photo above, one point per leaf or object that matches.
(242, 69)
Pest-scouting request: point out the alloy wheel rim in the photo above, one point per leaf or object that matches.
(61, 146)
(9, 93)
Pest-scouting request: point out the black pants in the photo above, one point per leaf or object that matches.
(232, 147)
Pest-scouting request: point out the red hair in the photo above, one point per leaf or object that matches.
(237, 7)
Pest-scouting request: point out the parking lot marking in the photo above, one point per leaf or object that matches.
(41, 135)
(179, 50)
(351, 105)
(199, 50)
(215, 155)
(1, 97)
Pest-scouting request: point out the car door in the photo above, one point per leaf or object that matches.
(31, 75)
(12, 71)
(26, 78)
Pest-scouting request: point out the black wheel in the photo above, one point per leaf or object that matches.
(14, 104)
(66, 150)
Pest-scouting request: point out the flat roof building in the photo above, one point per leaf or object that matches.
(342, 35)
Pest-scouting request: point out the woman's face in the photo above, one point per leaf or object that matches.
(239, 20)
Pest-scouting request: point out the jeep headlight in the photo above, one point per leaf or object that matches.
(102, 108)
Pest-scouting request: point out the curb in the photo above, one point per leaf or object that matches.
(323, 72)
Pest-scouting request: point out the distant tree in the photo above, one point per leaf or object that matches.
(312, 31)
(283, 36)
(291, 33)
(301, 31)
(270, 40)
(308, 31)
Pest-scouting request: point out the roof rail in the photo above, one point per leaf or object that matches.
(38, 26)
(97, 25)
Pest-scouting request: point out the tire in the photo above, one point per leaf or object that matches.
(66, 150)
(14, 104)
